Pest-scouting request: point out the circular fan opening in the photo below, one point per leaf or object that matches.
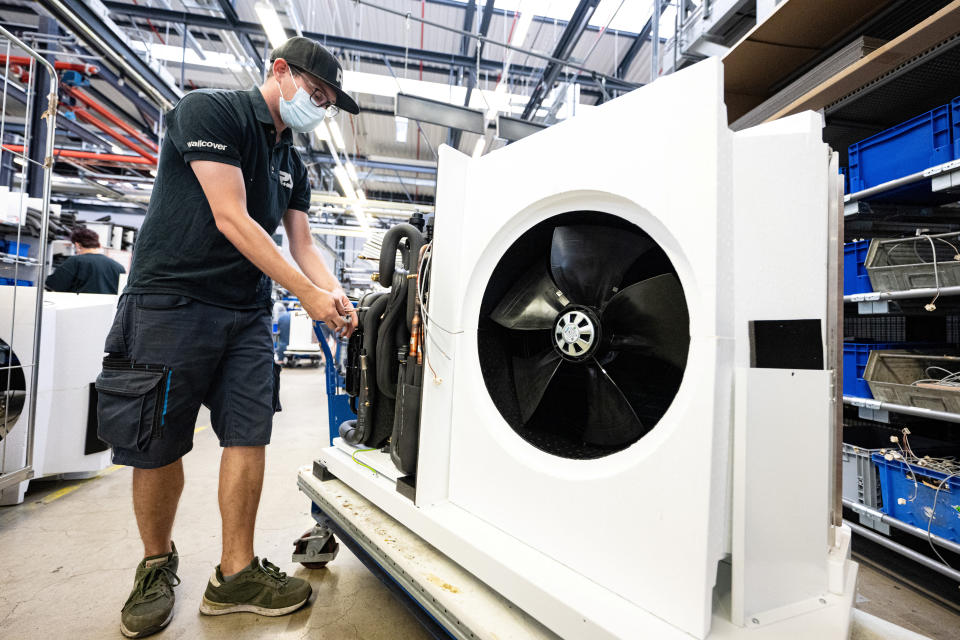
(583, 335)
(13, 389)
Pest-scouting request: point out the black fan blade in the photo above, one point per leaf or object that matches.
(611, 421)
(532, 303)
(532, 376)
(650, 316)
(588, 261)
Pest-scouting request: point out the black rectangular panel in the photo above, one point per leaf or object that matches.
(786, 344)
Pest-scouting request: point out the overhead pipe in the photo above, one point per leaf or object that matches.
(88, 117)
(24, 61)
(86, 155)
(103, 111)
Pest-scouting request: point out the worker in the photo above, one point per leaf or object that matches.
(193, 326)
(89, 271)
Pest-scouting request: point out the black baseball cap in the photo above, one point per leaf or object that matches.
(315, 59)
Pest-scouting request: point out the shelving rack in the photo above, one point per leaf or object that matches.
(861, 100)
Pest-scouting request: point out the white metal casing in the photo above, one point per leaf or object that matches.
(629, 545)
(616, 159)
(74, 330)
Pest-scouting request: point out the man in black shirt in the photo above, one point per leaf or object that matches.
(193, 326)
(89, 271)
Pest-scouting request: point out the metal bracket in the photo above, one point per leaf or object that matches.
(873, 306)
(874, 523)
(312, 546)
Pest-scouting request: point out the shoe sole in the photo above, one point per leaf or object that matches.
(210, 608)
(146, 632)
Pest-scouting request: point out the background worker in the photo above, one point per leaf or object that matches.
(88, 271)
(194, 324)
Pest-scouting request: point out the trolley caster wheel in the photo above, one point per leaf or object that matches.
(315, 548)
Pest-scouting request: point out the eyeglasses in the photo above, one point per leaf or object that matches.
(318, 97)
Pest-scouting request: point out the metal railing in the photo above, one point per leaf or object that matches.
(19, 378)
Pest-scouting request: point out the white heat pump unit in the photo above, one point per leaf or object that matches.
(628, 427)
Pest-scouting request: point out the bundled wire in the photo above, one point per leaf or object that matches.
(952, 379)
(428, 321)
(947, 466)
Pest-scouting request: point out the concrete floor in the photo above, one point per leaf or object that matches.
(67, 562)
(69, 552)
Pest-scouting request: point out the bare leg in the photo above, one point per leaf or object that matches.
(156, 493)
(241, 478)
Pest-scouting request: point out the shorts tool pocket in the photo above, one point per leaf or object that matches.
(131, 402)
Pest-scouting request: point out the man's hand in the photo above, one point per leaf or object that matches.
(347, 310)
(321, 305)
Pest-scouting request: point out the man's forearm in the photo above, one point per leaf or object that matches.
(256, 246)
(310, 259)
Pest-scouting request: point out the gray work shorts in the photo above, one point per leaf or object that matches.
(167, 355)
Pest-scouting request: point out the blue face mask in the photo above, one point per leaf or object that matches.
(299, 113)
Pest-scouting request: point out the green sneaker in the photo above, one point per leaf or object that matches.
(150, 605)
(260, 588)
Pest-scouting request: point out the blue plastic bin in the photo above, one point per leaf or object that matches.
(917, 144)
(855, 356)
(855, 276)
(22, 250)
(846, 179)
(955, 120)
(917, 487)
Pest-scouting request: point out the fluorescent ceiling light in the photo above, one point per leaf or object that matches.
(168, 53)
(478, 148)
(336, 135)
(513, 129)
(402, 126)
(441, 113)
(271, 23)
(352, 172)
(361, 218)
(344, 180)
(358, 82)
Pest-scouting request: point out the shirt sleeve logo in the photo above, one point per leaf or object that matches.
(286, 180)
(201, 144)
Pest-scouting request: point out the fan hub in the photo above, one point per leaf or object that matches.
(576, 333)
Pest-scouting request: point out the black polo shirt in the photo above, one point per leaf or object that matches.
(179, 249)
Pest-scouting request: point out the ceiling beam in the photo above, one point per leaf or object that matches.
(468, 16)
(455, 134)
(230, 13)
(88, 25)
(637, 44)
(565, 45)
(338, 42)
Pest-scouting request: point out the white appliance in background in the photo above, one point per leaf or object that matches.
(597, 443)
(104, 230)
(73, 331)
(302, 338)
